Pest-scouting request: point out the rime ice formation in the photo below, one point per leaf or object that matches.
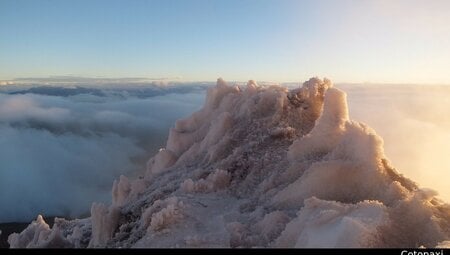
(261, 167)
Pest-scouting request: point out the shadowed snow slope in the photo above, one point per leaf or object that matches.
(261, 167)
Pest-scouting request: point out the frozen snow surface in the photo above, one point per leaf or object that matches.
(261, 166)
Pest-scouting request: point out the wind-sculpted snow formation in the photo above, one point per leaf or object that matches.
(261, 167)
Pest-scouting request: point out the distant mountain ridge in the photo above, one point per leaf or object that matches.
(59, 91)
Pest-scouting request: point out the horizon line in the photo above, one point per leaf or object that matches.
(74, 79)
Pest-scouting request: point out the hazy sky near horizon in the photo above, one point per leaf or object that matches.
(272, 40)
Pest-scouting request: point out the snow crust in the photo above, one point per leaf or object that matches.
(261, 166)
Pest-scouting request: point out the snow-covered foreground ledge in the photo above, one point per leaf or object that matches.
(261, 167)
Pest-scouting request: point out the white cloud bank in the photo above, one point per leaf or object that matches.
(59, 154)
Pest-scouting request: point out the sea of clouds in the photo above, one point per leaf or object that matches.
(58, 154)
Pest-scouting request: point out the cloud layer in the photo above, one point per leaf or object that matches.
(59, 154)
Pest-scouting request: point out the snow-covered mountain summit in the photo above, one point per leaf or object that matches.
(261, 166)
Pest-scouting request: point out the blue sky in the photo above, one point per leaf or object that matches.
(277, 40)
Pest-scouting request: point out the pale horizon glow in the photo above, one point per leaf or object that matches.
(199, 40)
